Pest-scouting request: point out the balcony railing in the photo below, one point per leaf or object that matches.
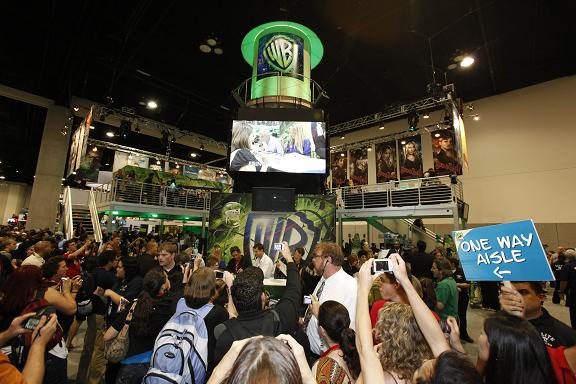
(417, 192)
(127, 191)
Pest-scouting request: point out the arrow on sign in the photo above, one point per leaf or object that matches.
(499, 273)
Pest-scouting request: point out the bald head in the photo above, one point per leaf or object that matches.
(43, 248)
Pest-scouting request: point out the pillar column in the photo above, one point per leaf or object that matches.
(49, 171)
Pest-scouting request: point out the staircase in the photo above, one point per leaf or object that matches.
(81, 214)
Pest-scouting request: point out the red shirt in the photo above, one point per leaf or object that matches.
(73, 265)
(562, 370)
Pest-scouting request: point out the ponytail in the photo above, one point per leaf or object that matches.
(348, 347)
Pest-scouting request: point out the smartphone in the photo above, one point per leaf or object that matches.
(278, 246)
(33, 321)
(219, 274)
(446, 329)
(381, 265)
(307, 300)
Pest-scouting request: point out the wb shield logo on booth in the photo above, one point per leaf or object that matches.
(281, 53)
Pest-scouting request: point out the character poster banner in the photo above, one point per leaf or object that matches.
(386, 162)
(233, 223)
(359, 166)
(339, 168)
(460, 135)
(411, 158)
(79, 144)
(445, 154)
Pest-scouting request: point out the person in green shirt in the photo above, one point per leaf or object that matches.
(446, 289)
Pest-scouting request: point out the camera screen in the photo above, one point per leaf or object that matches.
(307, 300)
(381, 265)
(219, 274)
(277, 246)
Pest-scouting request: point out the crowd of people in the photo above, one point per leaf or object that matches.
(157, 311)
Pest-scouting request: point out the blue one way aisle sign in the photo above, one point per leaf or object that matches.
(510, 251)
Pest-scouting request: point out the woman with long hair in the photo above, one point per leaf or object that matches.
(340, 363)
(446, 289)
(508, 341)
(297, 142)
(242, 155)
(153, 308)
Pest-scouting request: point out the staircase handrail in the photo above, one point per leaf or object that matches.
(429, 233)
(94, 217)
(67, 202)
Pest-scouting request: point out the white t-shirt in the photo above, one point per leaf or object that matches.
(340, 287)
(34, 259)
(265, 264)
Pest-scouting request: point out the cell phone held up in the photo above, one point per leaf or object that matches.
(219, 274)
(33, 321)
(278, 246)
(307, 300)
(381, 265)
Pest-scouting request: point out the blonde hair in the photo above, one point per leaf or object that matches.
(241, 136)
(403, 347)
(297, 137)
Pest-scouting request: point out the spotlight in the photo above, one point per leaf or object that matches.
(413, 119)
(110, 134)
(92, 127)
(470, 107)
(381, 128)
(157, 162)
(342, 155)
(193, 154)
(63, 179)
(2, 177)
(426, 115)
(436, 135)
(218, 51)
(211, 41)
(369, 149)
(205, 48)
(177, 166)
(476, 117)
(76, 108)
(467, 62)
(152, 104)
(95, 149)
(403, 142)
(201, 147)
(74, 172)
(343, 137)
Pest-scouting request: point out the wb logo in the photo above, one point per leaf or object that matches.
(280, 52)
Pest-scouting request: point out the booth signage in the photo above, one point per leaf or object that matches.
(510, 251)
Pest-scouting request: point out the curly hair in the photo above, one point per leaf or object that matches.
(404, 347)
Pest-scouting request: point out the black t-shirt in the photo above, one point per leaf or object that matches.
(460, 278)
(129, 291)
(175, 276)
(106, 280)
(554, 332)
(568, 274)
(244, 157)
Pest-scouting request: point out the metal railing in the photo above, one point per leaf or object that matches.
(428, 233)
(94, 217)
(127, 191)
(67, 213)
(283, 89)
(417, 192)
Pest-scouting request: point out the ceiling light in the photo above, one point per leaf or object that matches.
(95, 149)
(211, 41)
(63, 179)
(76, 108)
(470, 107)
(193, 154)
(74, 172)
(218, 51)
(343, 137)
(92, 127)
(403, 142)
(34, 176)
(369, 149)
(151, 104)
(107, 164)
(452, 66)
(381, 128)
(205, 48)
(201, 147)
(2, 177)
(110, 134)
(342, 154)
(436, 135)
(467, 61)
(157, 162)
(17, 171)
(426, 115)
(177, 166)
(476, 117)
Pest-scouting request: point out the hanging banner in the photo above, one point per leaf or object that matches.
(386, 162)
(359, 166)
(446, 157)
(79, 144)
(233, 223)
(339, 168)
(460, 133)
(411, 158)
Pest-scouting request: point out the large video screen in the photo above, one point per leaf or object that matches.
(278, 146)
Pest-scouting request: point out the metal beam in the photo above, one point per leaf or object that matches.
(26, 97)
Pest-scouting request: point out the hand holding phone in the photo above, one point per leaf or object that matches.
(278, 247)
(307, 300)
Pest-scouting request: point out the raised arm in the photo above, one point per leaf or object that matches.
(426, 321)
(372, 371)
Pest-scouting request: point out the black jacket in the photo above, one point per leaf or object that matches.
(288, 310)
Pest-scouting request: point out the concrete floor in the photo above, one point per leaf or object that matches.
(476, 319)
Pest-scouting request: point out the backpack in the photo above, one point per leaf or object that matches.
(180, 353)
(270, 327)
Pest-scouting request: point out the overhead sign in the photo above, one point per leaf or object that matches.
(511, 252)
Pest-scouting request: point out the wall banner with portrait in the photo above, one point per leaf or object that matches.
(339, 168)
(411, 158)
(445, 154)
(359, 166)
(386, 162)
